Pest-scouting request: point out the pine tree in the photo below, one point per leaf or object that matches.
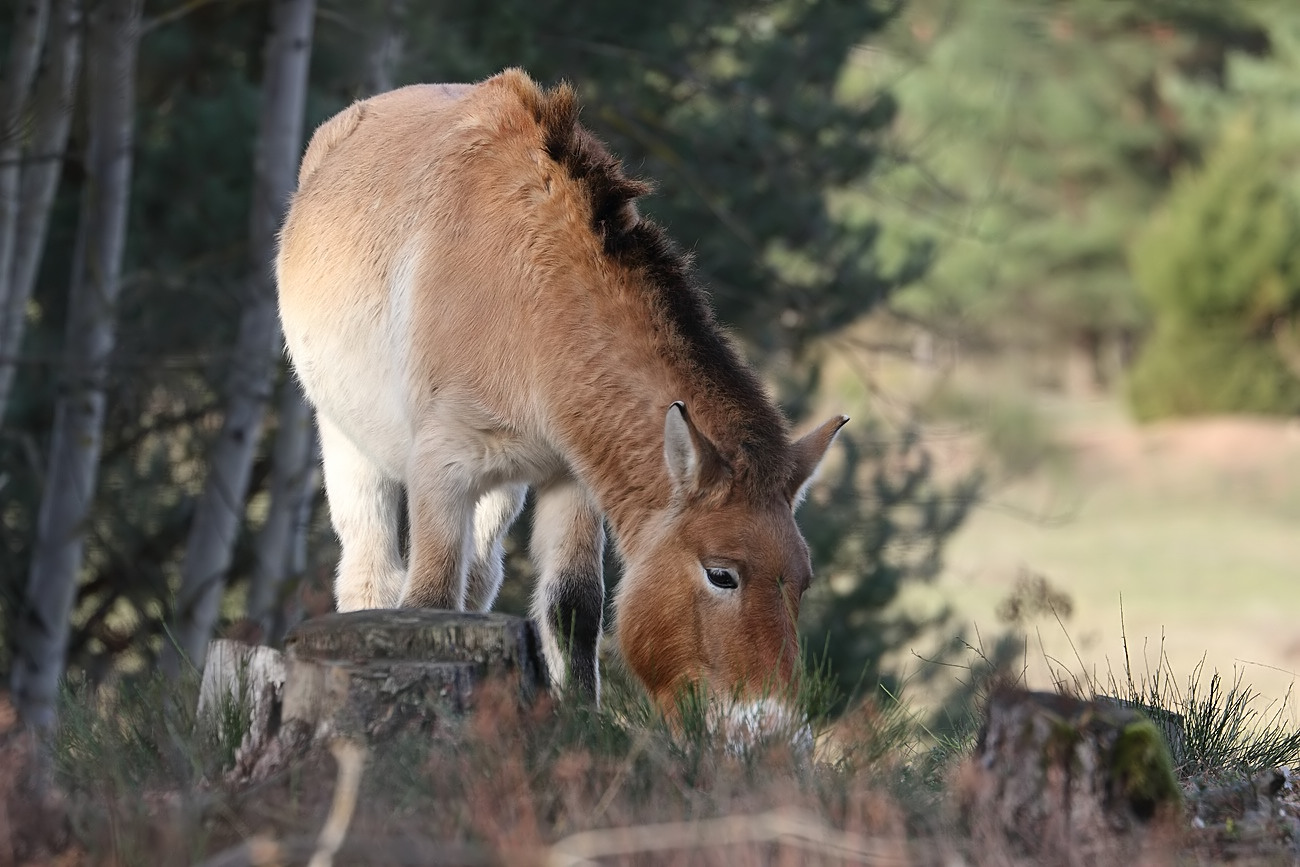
(1220, 265)
(1036, 137)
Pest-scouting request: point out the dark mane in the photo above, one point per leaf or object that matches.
(737, 396)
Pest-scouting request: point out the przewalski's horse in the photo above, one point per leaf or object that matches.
(475, 307)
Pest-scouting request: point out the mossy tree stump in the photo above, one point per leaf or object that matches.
(1067, 780)
(367, 675)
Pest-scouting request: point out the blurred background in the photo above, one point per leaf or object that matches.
(1045, 254)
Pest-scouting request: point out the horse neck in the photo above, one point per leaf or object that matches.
(612, 383)
(614, 439)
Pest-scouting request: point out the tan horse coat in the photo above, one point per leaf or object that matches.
(475, 307)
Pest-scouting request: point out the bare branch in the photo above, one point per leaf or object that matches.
(351, 757)
(180, 12)
(787, 827)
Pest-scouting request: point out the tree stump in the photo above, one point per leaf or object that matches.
(1171, 725)
(242, 689)
(1067, 781)
(366, 675)
(373, 673)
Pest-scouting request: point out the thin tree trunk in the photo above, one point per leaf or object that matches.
(293, 475)
(293, 488)
(289, 615)
(52, 105)
(15, 96)
(79, 413)
(292, 610)
(221, 509)
(387, 45)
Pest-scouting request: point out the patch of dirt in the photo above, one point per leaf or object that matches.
(1228, 445)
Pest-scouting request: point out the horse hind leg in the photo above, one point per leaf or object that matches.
(365, 509)
(568, 544)
(441, 494)
(495, 512)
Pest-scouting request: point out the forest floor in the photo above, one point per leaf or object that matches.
(138, 783)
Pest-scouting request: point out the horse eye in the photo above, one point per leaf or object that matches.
(723, 579)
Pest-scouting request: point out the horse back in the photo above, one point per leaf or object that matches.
(404, 267)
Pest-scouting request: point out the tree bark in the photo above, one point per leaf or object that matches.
(294, 478)
(248, 390)
(374, 673)
(293, 475)
(365, 674)
(246, 677)
(42, 167)
(15, 95)
(79, 412)
(387, 46)
(31, 17)
(1066, 781)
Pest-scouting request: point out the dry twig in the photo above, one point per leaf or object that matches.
(351, 757)
(785, 827)
(264, 851)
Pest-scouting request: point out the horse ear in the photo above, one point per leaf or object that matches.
(694, 463)
(808, 452)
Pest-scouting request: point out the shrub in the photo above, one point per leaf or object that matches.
(1220, 266)
(1201, 371)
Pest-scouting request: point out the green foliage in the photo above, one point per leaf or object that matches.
(1227, 731)
(1220, 265)
(1200, 371)
(1225, 247)
(1217, 729)
(1033, 138)
(734, 107)
(134, 735)
(878, 522)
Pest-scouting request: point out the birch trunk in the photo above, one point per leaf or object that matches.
(294, 475)
(292, 611)
(220, 509)
(42, 628)
(15, 96)
(42, 166)
(293, 488)
(387, 46)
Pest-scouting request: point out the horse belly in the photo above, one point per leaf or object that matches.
(359, 371)
(351, 377)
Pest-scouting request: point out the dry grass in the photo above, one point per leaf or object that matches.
(34, 826)
(547, 783)
(507, 784)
